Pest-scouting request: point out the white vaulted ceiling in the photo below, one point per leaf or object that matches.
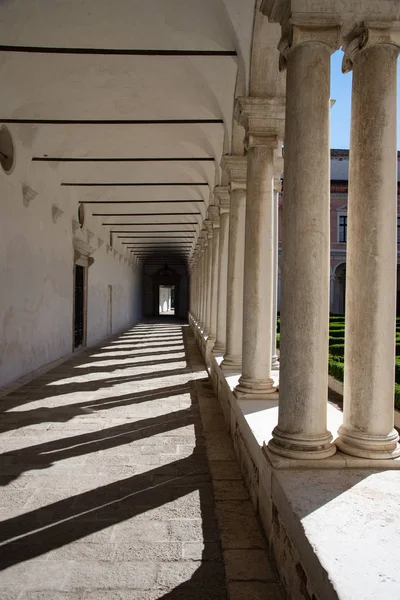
(131, 102)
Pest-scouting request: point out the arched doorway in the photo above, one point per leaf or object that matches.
(165, 293)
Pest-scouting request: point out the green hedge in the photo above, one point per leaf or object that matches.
(336, 368)
(337, 350)
(397, 396)
(333, 341)
(397, 371)
(336, 333)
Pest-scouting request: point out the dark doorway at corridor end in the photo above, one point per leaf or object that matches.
(165, 291)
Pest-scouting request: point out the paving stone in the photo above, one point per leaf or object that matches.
(230, 490)
(13, 578)
(192, 574)
(254, 590)
(141, 530)
(193, 529)
(49, 575)
(12, 595)
(228, 470)
(101, 575)
(238, 525)
(248, 565)
(82, 551)
(134, 550)
(51, 595)
(201, 551)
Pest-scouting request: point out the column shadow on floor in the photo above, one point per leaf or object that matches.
(37, 532)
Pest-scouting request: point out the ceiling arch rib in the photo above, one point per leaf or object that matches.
(133, 118)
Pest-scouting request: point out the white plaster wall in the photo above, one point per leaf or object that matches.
(36, 270)
(126, 295)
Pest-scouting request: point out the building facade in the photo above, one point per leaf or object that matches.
(338, 231)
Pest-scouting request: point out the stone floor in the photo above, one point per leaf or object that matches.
(119, 481)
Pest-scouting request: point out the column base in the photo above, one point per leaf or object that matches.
(255, 387)
(301, 446)
(275, 363)
(231, 362)
(219, 348)
(376, 447)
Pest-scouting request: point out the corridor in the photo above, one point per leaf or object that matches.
(119, 481)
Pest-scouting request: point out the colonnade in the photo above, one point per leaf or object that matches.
(234, 267)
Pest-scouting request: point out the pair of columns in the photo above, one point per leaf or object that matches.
(367, 429)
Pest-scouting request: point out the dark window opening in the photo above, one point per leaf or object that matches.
(79, 317)
(342, 229)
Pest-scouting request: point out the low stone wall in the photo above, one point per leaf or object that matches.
(258, 475)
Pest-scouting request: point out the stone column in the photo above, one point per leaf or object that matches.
(367, 429)
(236, 166)
(214, 216)
(196, 286)
(224, 201)
(208, 279)
(302, 423)
(263, 119)
(203, 242)
(274, 357)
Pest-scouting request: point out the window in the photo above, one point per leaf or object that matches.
(342, 229)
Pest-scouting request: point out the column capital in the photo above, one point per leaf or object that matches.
(263, 120)
(213, 215)
(367, 35)
(224, 199)
(207, 223)
(221, 194)
(236, 167)
(278, 170)
(326, 32)
(203, 240)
